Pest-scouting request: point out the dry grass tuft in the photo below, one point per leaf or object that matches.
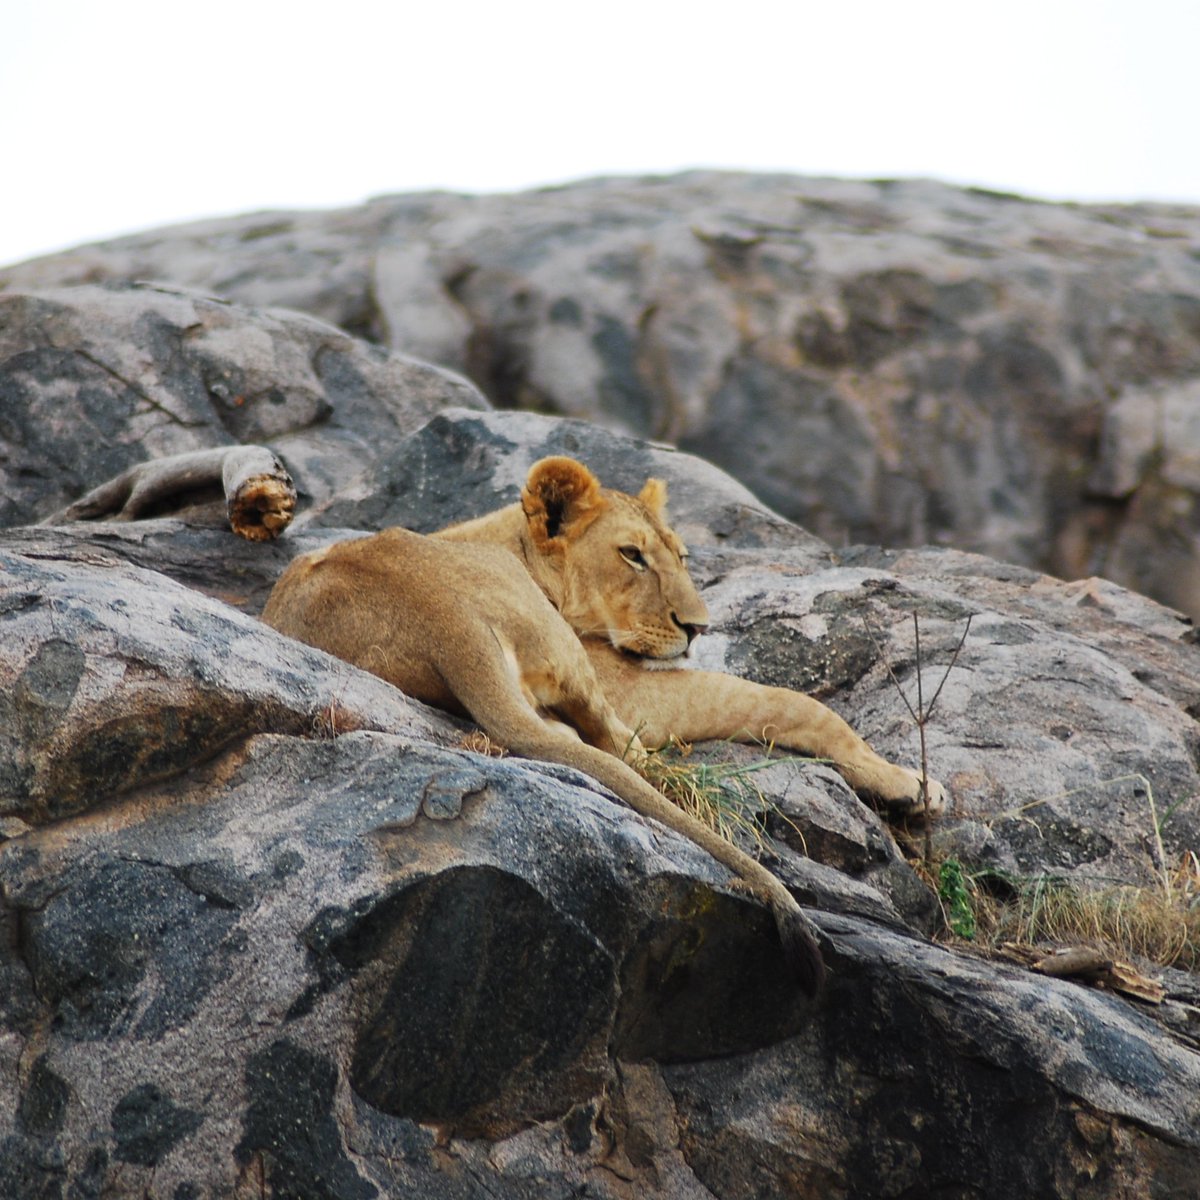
(333, 720)
(1160, 924)
(722, 796)
(478, 742)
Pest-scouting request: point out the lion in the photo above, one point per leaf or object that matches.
(611, 565)
(540, 621)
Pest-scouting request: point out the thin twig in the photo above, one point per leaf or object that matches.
(917, 640)
(922, 718)
(950, 665)
(922, 713)
(912, 712)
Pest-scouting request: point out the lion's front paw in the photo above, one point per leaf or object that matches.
(917, 800)
(898, 790)
(938, 799)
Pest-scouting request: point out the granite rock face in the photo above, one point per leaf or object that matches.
(96, 379)
(269, 928)
(894, 362)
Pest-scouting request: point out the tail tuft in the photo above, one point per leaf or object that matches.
(800, 948)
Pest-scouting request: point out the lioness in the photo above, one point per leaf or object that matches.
(539, 621)
(610, 564)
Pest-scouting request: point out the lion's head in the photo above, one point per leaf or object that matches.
(619, 568)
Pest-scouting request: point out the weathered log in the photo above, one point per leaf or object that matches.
(260, 498)
(1079, 961)
(1099, 967)
(1090, 964)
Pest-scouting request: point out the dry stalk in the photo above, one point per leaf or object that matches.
(720, 795)
(922, 713)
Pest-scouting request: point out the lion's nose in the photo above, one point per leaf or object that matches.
(691, 628)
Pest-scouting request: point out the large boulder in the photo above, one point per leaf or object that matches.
(96, 379)
(267, 927)
(1066, 729)
(895, 362)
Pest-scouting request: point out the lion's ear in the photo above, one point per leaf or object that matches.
(654, 497)
(561, 496)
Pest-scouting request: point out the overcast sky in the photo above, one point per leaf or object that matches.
(121, 115)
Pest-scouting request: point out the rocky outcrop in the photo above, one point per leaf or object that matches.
(268, 928)
(96, 379)
(893, 362)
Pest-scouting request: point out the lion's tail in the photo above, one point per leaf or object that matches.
(800, 949)
(507, 717)
(796, 932)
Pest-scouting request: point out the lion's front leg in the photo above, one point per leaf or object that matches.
(794, 721)
(707, 705)
(898, 788)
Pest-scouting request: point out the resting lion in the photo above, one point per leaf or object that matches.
(540, 620)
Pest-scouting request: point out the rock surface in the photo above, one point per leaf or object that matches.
(268, 928)
(95, 379)
(896, 362)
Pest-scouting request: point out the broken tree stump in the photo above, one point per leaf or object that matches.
(1091, 965)
(260, 497)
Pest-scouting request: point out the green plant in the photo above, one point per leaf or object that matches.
(955, 896)
(995, 909)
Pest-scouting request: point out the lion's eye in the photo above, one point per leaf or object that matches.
(633, 556)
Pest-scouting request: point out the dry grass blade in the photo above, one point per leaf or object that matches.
(1144, 788)
(1137, 922)
(722, 796)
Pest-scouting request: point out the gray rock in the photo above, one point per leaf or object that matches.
(1068, 752)
(785, 1113)
(476, 975)
(112, 677)
(466, 463)
(266, 927)
(896, 362)
(95, 379)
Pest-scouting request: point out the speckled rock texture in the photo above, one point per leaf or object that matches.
(95, 379)
(270, 929)
(899, 362)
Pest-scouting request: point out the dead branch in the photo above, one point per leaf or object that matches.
(1077, 960)
(260, 497)
(1091, 965)
(922, 713)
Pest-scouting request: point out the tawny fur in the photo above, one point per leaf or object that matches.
(535, 620)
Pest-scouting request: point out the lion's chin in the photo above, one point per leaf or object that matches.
(658, 661)
(665, 664)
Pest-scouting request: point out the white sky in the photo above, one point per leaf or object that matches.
(121, 115)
